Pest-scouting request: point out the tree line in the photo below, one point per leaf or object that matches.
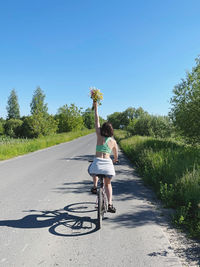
(182, 120)
(40, 122)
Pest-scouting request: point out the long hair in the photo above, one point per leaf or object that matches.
(107, 129)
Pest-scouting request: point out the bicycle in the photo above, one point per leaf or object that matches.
(101, 201)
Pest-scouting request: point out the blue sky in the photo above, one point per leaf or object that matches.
(134, 51)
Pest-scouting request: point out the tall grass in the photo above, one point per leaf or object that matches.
(10, 147)
(173, 170)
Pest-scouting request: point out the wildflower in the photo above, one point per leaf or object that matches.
(96, 95)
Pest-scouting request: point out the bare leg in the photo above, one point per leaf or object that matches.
(108, 189)
(95, 181)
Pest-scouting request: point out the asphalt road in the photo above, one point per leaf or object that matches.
(48, 215)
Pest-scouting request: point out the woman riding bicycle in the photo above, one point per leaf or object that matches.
(103, 164)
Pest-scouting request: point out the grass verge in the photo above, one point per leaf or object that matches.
(10, 148)
(173, 171)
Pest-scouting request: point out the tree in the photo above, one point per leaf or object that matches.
(130, 114)
(121, 120)
(37, 104)
(38, 125)
(13, 106)
(115, 120)
(185, 111)
(69, 118)
(40, 122)
(2, 123)
(140, 126)
(150, 125)
(13, 127)
(88, 118)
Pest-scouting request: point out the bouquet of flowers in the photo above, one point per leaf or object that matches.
(96, 95)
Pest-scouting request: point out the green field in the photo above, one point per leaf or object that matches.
(10, 147)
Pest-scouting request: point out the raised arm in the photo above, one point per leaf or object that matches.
(97, 123)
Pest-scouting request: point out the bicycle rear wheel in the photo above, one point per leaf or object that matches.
(100, 208)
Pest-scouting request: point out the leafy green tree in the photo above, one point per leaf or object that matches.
(69, 118)
(38, 125)
(149, 125)
(115, 120)
(130, 114)
(40, 122)
(161, 126)
(2, 123)
(139, 112)
(141, 126)
(121, 120)
(12, 127)
(185, 111)
(13, 106)
(88, 118)
(37, 103)
(126, 116)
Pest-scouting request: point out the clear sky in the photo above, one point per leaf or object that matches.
(134, 51)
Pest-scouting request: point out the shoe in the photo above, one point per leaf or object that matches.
(94, 190)
(111, 209)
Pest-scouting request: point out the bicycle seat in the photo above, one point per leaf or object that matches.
(101, 175)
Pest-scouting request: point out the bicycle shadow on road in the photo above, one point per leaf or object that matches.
(60, 222)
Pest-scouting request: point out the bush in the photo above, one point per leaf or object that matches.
(120, 120)
(149, 125)
(88, 118)
(69, 118)
(2, 130)
(12, 127)
(38, 125)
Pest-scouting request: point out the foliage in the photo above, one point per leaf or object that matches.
(2, 131)
(13, 106)
(37, 104)
(120, 120)
(2, 123)
(88, 118)
(115, 120)
(40, 122)
(185, 102)
(150, 125)
(12, 127)
(69, 118)
(37, 125)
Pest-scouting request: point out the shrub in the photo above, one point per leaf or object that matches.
(2, 130)
(69, 118)
(149, 125)
(12, 127)
(38, 125)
